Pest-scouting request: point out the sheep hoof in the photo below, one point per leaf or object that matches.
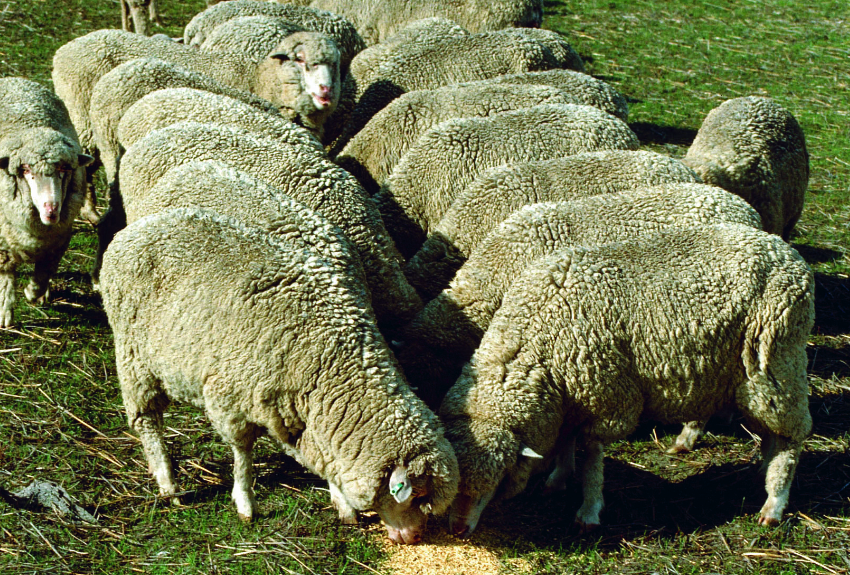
(768, 521)
(175, 502)
(677, 449)
(585, 528)
(348, 519)
(245, 518)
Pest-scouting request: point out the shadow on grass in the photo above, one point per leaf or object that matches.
(656, 134)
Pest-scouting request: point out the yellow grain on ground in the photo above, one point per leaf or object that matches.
(443, 554)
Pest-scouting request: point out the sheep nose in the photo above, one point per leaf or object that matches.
(324, 90)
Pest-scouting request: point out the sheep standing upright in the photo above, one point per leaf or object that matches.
(137, 16)
(42, 182)
(270, 338)
(755, 148)
(669, 327)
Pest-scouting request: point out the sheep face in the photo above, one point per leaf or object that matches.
(317, 60)
(43, 162)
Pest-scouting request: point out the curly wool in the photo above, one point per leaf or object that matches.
(377, 20)
(496, 193)
(165, 107)
(269, 338)
(668, 327)
(436, 61)
(375, 150)
(443, 336)
(313, 181)
(254, 36)
(755, 148)
(203, 25)
(448, 157)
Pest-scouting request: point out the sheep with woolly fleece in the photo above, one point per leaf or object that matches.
(314, 181)
(203, 24)
(42, 183)
(443, 336)
(162, 108)
(377, 20)
(375, 150)
(79, 64)
(755, 148)
(436, 61)
(270, 338)
(306, 88)
(669, 327)
(449, 156)
(254, 36)
(497, 192)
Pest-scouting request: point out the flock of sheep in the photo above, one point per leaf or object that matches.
(416, 245)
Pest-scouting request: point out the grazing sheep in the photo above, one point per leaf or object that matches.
(436, 61)
(496, 193)
(377, 20)
(375, 150)
(443, 336)
(449, 156)
(254, 36)
(755, 148)
(314, 181)
(137, 15)
(165, 107)
(202, 25)
(670, 327)
(42, 182)
(269, 337)
(217, 186)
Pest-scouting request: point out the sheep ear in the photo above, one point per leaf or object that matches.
(279, 55)
(401, 487)
(84, 160)
(526, 451)
(4, 163)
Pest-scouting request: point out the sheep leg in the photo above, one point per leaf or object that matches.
(347, 514)
(691, 432)
(784, 456)
(243, 478)
(7, 298)
(38, 288)
(125, 16)
(565, 467)
(587, 517)
(149, 428)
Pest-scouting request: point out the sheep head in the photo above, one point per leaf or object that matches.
(45, 161)
(316, 59)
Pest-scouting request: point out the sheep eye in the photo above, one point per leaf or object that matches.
(63, 169)
(25, 168)
(299, 58)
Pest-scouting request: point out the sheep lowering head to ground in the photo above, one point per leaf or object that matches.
(755, 148)
(42, 182)
(283, 343)
(670, 327)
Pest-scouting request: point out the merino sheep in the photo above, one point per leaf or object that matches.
(269, 337)
(165, 107)
(496, 193)
(377, 20)
(669, 327)
(374, 151)
(313, 181)
(436, 61)
(443, 336)
(42, 182)
(449, 156)
(202, 25)
(254, 36)
(137, 15)
(755, 148)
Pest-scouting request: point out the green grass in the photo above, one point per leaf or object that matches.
(61, 417)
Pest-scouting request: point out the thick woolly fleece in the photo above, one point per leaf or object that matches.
(449, 156)
(313, 181)
(217, 186)
(668, 327)
(127, 83)
(377, 20)
(204, 24)
(269, 338)
(755, 148)
(254, 36)
(436, 61)
(372, 154)
(165, 107)
(35, 130)
(498, 192)
(443, 336)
